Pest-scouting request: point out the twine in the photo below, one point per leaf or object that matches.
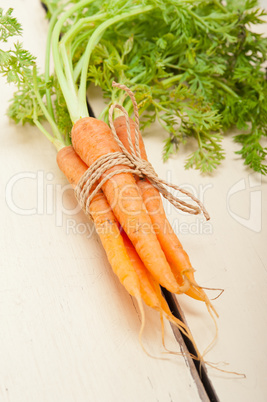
(133, 164)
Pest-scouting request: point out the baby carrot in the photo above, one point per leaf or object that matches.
(174, 252)
(105, 223)
(151, 293)
(92, 139)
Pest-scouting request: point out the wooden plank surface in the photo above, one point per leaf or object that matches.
(68, 331)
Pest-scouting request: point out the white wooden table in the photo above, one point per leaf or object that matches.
(68, 331)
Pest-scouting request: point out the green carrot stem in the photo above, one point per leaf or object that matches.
(226, 88)
(47, 60)
(96, 36)
(80, 25)
(67, 87)
(50, 120)
(170, 81)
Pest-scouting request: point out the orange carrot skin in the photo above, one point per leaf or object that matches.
(147, 282)
(92, 139)
(168, 240)
(172, 247)
(150, 289)
(105, 223)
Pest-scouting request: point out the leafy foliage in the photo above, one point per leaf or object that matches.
(62, 116)
(195, 66)
(16, 65)
(9, 26)
(24, 107)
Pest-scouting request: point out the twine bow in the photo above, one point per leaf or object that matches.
(133, 164)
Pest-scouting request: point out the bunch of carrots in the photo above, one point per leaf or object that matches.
(126, 209)
(142, 253)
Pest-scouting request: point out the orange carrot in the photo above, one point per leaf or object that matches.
(174, 252)
(92, 139)
(121, 253)
(105, 223)
(151, 293)
(146, 280)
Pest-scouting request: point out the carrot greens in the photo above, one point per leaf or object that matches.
(195, 66)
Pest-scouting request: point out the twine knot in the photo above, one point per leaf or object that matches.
(133, 163)
(145, 169)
